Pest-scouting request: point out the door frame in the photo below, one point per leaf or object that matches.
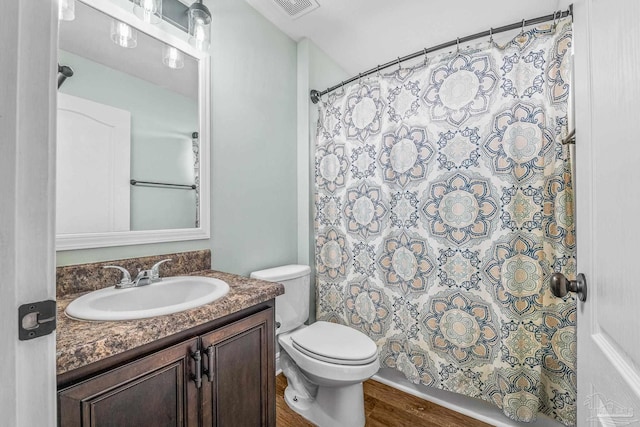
(28, 42)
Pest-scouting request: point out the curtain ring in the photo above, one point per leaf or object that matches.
(426, 58)
(359, 79)
(555, 22)
(457, 44)
(522, 30)
(399, 66)
(378, 71)
(490, 35)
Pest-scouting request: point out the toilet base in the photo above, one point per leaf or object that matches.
(332, 406)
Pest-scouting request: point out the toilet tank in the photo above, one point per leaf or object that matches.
(292, 308)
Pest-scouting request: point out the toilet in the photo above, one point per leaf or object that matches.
(325, 363)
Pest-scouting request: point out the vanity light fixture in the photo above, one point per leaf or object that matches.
(123, 35)
(66, 10)
(148, 10)
(172, 57)
(195, 20)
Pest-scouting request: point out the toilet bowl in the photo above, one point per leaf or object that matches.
(325, 363)
(330, 362)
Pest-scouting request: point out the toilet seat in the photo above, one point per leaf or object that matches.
(326, 373)
(334, 343)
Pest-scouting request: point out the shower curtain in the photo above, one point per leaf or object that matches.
(443, 203)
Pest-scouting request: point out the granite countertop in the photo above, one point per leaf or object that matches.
(81, 343)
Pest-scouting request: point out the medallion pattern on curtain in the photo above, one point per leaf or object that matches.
(444, 202)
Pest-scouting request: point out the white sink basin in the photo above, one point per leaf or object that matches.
(170, 295)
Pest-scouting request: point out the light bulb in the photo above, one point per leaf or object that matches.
(172, 57)
(66, 10)
(123, 35)
(148, 10)
(200, 34)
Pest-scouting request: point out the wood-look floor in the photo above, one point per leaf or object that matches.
(384, 406)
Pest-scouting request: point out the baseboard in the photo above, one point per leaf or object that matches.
(474, 408)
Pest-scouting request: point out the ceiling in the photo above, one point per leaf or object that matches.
(360, 34)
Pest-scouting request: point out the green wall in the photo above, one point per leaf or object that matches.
(254, 134)
(253, 152)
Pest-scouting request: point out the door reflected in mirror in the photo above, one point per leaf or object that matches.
(129, 135)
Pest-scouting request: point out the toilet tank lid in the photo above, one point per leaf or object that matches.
(285, 272)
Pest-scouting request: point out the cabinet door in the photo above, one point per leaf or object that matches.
(154, 391)
(239, 388)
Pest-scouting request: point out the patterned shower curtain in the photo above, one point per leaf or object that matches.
(444, 202)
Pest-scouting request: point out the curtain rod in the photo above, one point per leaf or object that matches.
(316, 95)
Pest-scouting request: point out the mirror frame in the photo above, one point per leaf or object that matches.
(166, 33)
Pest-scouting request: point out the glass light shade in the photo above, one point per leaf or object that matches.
(148, 10)
(123, 35)
(172, 57)
(66, 10)
(199, 26)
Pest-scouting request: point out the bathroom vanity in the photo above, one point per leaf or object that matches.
(211, 365)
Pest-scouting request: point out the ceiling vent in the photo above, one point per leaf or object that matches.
(296, 8)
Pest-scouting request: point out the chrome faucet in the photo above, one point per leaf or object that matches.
(144, 277)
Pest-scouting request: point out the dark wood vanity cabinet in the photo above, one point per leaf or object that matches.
(240, 374)
(221, 377)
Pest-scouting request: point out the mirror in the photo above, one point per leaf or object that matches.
(133, 131)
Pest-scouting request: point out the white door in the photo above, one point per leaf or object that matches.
(28, 38)
(92, 167)
(607, 59)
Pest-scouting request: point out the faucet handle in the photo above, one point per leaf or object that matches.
(126, 277)
(155, 270)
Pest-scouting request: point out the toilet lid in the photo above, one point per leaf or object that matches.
(334, 343)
